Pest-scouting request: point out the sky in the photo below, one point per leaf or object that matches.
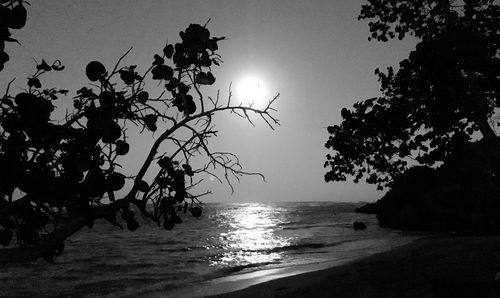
(314, 53)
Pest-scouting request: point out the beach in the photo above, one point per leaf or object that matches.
(444, 266)
(231, 247)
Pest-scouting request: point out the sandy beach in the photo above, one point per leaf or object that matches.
(450, 266)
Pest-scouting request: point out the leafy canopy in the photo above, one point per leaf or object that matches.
(441, 97)
(68, 172)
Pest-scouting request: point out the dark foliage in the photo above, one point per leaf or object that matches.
(441, 97)
(59, 175)
(12, 16)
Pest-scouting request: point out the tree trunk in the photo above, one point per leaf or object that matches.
(490, 139)
(45, 248)
(492, 144)
(46, 245)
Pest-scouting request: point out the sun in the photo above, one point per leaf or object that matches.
(251, 90)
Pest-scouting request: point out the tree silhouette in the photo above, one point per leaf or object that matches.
(58, 176)
(444, 95)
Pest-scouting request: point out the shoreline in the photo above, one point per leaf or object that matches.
(239, 281)
(445, 266)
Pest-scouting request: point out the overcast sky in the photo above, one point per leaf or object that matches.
(315, 53)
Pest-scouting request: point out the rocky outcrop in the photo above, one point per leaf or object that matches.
(369, 208)
(426, 199)
(462, 195)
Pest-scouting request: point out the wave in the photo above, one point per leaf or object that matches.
(226, 271)
(238, 268)
(299, 247)
(310, 226)
(182, 249)
(125, 267)
(303, 248)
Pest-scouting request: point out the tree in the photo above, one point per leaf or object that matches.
(444, 95)
(60, 175)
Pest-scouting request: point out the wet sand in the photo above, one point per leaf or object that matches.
(450, 266)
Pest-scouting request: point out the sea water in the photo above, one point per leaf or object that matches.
(227, 240)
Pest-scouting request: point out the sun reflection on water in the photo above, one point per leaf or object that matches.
(251, 236)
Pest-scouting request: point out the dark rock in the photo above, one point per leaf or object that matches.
(359, 226)
(461, 196)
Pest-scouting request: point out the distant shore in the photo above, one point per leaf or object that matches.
(449, 266)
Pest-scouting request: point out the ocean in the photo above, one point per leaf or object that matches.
(227, 240)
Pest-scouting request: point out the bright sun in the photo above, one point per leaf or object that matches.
(251, 90)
